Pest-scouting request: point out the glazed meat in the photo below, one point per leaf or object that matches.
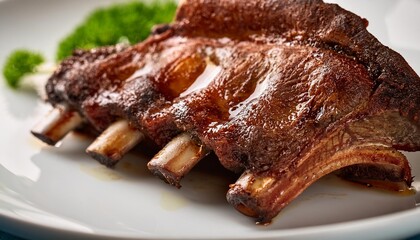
(283, 92)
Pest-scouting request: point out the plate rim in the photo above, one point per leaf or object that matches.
(363, 227)
(24, 227)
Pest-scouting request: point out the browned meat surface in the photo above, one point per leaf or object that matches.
(283, 91)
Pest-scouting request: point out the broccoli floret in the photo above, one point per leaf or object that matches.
(106, 26)
(19, 63)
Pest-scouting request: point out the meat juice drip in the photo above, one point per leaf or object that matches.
(145, 70)
(241, 81)
(180, 75)
(259, 90)
(207, 76)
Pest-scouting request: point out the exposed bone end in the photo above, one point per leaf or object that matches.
(264, 195)
(244, 194)
(176, 159)
(56, 125)
(114, 143)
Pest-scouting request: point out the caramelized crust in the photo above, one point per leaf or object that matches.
(278, 89)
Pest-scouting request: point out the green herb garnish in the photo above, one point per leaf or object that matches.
(107, 26)
(19, 63)
(130, 22)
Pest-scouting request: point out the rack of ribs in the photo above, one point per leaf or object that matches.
(283, 92)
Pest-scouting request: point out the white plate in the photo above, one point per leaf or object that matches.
(49, 192)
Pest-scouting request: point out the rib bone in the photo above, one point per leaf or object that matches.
(176, 159)
(114, 143)
(262, 195)
(56, 125)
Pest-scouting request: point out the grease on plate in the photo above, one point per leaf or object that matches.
(172, 202)
(35, 143)
(100, 172)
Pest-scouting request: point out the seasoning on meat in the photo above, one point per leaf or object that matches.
(284, 92)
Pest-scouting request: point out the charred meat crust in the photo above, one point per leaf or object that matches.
(264, 84)
(314, 23)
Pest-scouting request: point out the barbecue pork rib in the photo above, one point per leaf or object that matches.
(283, 92)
